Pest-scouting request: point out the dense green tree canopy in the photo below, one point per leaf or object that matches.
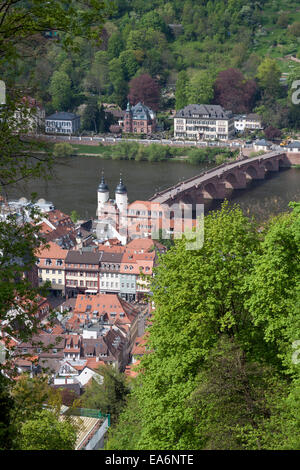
(220, 371)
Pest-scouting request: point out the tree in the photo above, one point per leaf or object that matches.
(274, 285)
(21, 20)
(146, 90)
(294, 29)
(221, 370)
(74, 216)
(124, 435)
(129, 63)
(233, 92)
(91, 116)
(115, 45)
(272, 133)
(268, 75)
(118, 80)
(201, 89)
(96, 78)
(283, 20)
(109, 396)
(61, 91)
(21, 25)
(63, 149)
(198, 295)
(234, 399)
(45, 432)
(7, 431)
(181, 93)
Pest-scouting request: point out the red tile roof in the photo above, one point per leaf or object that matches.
(52, 251)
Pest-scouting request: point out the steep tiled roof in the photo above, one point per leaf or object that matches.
(85, 257)
(109, 304)
(62, 116)
(203, 110)
(53, 252)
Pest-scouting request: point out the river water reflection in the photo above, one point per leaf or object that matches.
(75, 181)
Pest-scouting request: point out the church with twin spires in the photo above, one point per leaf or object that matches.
(118, 219)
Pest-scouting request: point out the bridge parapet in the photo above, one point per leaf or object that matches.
(214, 182)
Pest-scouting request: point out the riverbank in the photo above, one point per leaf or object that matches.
(156, 153)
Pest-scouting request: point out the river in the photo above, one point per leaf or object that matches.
(75, 181)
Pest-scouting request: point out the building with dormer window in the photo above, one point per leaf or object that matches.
(139, 119)
(62, 123)
(203, 122)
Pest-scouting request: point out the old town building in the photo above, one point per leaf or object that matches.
(203, 122)
(82, 272)
(51, 267)
(139, 119)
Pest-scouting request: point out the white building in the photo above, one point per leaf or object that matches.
(112, 213)
(293, 147)
(203, 122)
(247, 121)
(30, 115)
(62, 123)
(262, 144)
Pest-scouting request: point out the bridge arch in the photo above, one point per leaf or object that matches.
(251, 172)
(282, 162)
(231, 180)
(268, 164)
(210, 191)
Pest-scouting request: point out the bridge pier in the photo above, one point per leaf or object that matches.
(218, 182)
(213, 191)
(270, 165)
(255, 172)
(236, 180)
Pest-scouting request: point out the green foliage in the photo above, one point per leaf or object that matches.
(197, 295)
(275, 298)
(74, 216)
(45, 432)
(201, 89)
(268, 74)
(109, 396)
(94, 118)
(63, 149)
(222, 368)
(20, 20)
(60, 90)
(163, 41)
(234, 399)
(125, 434)
(23, 422)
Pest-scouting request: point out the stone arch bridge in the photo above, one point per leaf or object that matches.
(219, 182)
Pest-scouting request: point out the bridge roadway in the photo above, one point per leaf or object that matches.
(214, 183)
